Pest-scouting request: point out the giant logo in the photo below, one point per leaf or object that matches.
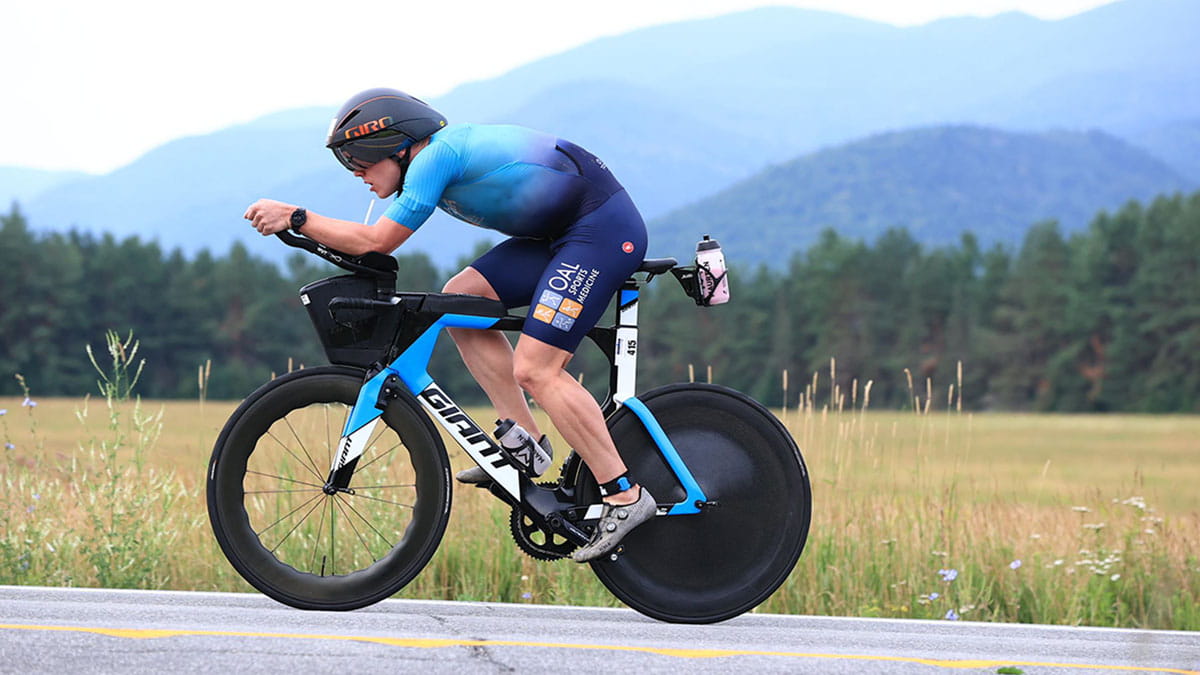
(461, 427)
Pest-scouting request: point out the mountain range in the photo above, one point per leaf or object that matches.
(744, 113)
(936, 182)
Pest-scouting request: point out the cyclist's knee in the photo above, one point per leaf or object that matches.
(537, 365)
(471, 282)
(531, 375)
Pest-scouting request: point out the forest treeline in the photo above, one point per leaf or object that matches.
(1106, 319)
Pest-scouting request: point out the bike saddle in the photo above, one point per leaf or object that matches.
(657, 265)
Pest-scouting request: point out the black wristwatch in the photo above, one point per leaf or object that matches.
(299, 218)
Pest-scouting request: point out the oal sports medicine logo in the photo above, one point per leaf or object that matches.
(561, 304)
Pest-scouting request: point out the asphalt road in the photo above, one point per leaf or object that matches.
(80, 630)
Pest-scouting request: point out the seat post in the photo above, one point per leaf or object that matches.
(623, 379)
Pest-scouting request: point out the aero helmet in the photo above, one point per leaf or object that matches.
(380, 123)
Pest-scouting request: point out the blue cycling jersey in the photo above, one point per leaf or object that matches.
(575, 234)
(507, 178)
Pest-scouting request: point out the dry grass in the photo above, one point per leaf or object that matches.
(1100, 511)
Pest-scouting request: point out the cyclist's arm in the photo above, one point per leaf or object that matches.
(385, 236)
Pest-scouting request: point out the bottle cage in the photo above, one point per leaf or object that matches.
(689, 279)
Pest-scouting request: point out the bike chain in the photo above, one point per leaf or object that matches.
(523, 531)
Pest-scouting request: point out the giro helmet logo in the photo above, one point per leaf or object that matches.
(627, 247)
(368, 127)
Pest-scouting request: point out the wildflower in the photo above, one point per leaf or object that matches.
(1094, 526)
(940, 554)
(9, 446)
(1114, 577)
(1081, 509)
(36, 496)
(952, 615)
(934, 596)
(526, 595)
(1058, 562)
(1016, 564)
(1138, 503)
(948, 575)
(28, 403)
(3, 412)
(1035, 536)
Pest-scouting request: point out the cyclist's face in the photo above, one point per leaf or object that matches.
(383, 177)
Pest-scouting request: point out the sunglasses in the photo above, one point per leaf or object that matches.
(350, 161)
(360, 155)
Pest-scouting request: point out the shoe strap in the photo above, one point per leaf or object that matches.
(619, 484)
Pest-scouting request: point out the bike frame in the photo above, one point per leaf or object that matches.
(409, 372)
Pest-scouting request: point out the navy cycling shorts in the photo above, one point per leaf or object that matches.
(568, 281)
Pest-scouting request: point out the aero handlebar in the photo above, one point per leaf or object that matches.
(373, 264)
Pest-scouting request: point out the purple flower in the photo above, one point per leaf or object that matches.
(1016, 564)
(934, 596)
(3, 411)
(28, 403)
(9, 446)
(948, 575)
(527, 595)
(952, 615)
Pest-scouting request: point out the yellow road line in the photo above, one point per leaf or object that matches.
(436, 643)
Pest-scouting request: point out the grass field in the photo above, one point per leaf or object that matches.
(1091, 520)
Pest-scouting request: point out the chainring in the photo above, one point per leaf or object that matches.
(536, 542)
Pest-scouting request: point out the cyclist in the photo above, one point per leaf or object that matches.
(574, 237)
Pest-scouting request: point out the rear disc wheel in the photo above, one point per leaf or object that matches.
(733, 555)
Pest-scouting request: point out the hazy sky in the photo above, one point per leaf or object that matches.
(93, 85)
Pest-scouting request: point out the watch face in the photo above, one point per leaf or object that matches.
(299, 217)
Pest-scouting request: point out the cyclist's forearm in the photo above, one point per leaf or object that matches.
(269, 216)
(354, 238)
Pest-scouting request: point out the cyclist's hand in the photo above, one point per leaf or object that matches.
(269, 216)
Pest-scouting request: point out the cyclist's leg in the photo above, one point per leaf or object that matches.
(541, 370)
(489, 355)
(591, 262)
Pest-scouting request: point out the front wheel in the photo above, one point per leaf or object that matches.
(295, 542)
(732, 556)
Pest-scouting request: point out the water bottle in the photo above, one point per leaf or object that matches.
(531, 457)
(710, 272)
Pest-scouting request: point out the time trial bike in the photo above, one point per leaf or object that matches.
(329, 488)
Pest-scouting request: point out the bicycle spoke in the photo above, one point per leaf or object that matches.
(367, 523)
(380, 456)
(295, 435)
(288, 450)
(297, 525)
(360, 488)
(332, 557)
(317, 543)
(329, 441)
(385, 501)
(274, 492)
(342, 507)
(284, 479)
(289, 514)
